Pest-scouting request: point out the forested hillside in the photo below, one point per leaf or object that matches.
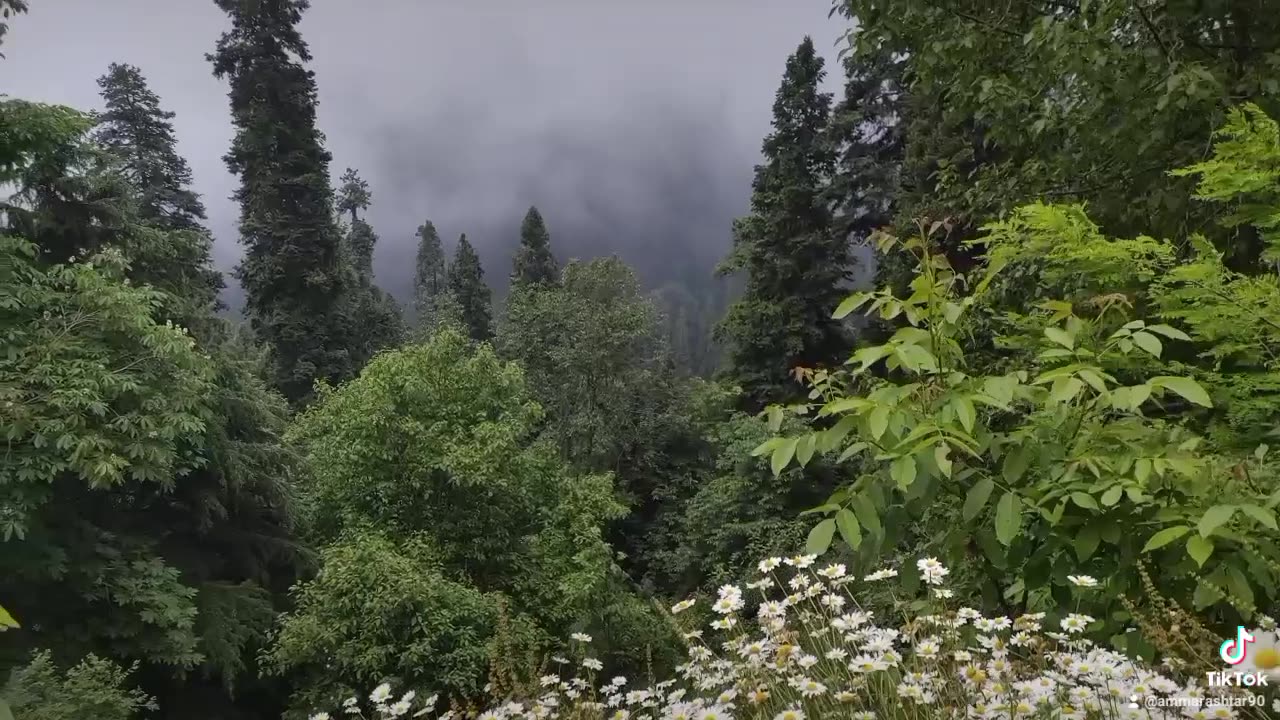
(1024, 473)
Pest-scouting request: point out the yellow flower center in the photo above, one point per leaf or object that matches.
(1267, 658)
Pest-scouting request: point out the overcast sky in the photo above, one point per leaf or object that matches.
(633, 126)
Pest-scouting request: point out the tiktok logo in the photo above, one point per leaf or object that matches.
(1233, 651)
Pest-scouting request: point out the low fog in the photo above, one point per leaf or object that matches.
(633, 127)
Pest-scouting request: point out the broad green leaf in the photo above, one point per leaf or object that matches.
(828, 507)
(1239, 586)
(1000, 388)
(1016, 463)
(1199, 548)
(804, 448)
(766, 446)
(1008, 518)
(976, 498)
(903, 471)
(1164, 537)
(849, 304)
(1061, 337)
(1084, 500)
(1095, 380)
(1214, 518)
(820, 537)
(6, 620)
(782, 455)
(867, 515)
(1148, 342)
(1142, 469)
(1086, 542)
(1184, 386)
(775, 418)
(5, 712)
(940, 457)
(1169, 332)
(1064, 389)
(1261, 514)
(1112, 495)
(879, 421)
(964, 412)
(849, 529)
(852, 450)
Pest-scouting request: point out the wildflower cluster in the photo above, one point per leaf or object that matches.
(797, 645)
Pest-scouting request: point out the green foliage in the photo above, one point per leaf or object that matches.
(468, 290)
(1073, 102)
(533, 262)
(437, 442)
(291, 272)
(93, 688)
(382, 609)
(1057, 463)
(794, 262)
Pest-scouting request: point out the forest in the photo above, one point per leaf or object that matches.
(1024, 472)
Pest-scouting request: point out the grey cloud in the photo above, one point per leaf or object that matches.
(633, 126)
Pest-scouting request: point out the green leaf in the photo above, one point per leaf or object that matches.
(820, 537)
(1261, 514)
(804, 449)
(1199, 548)
(903, 471)
(782, 455)
(6, 620)
(1016, 463)
(1239, 586)
(849, 304)
(1084, 500)
(775, 418)
(1064, 389)
(820, 509)
(940, 457)
(1142, 469)
(866, 512)
(1086, 542)
(965, 412)
(1060, 337)
(1164, 537)
(976, 498)
(1112, 495)
(1008, 518)
(5, 712)
(849, 529)
(766, 446)
(1148, 342)
(879, 421)
(1214, 518)
(1169, 332)
(1184, 386)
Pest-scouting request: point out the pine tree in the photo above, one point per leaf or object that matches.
(354, 196)
(135, 129)
(139, 134)
(430, 278)
(467, 286)
(533, 261)
(794, 261)
(293, 281)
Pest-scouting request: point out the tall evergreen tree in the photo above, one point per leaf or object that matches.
(291, 272)
(135, 130)
(430, 279)
(354, 196)
(533, 262)
(794, 261)
(468, 289)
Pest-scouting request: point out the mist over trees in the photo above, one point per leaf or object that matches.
(985, 485)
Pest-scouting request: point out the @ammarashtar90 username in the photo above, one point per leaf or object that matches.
(1201, 703)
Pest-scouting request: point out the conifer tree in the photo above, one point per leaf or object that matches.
(430, 280)
(294, 285)
(793, 260)
(468, 289)
(138, 133)
(134, 128)
(354, 196)
(533, 262)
